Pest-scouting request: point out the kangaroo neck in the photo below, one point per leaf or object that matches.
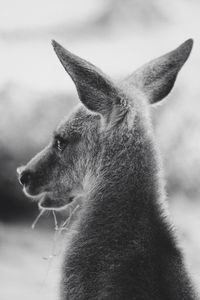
(126, 199)
(121, 233)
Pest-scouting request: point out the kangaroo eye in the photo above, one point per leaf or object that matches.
(60, 144)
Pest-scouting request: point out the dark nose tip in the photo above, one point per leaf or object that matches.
(25, 177)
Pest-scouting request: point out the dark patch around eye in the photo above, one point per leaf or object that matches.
(60, 143)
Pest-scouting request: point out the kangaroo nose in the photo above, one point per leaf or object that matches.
(25, 177)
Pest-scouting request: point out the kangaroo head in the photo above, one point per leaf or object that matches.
(90, 140)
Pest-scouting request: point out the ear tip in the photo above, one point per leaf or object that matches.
(55, 44)
(189, 43)
(190, 40)
(59, 50)
(187, 46)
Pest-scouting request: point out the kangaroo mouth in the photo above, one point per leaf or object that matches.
(50, 203)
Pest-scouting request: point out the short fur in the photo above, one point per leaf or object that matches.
(124, 246)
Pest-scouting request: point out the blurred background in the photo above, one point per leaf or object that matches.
(35, 93)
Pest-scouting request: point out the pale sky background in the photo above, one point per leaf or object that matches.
(26, 28)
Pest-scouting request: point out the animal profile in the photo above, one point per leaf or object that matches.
(105, 154)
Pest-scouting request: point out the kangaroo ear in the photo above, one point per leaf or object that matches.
(94, 88)
(156, 78)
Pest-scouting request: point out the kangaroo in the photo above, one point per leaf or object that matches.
(124, 246)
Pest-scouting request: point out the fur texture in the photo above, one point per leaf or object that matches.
(124, 246)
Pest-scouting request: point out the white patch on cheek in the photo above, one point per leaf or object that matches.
(78, 179)
(131, 119)
(103, 124)
(84, 189)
